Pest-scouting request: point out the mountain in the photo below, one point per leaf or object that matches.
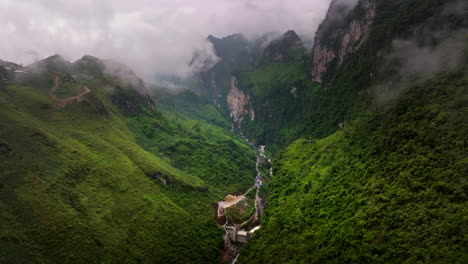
(387, 183)
(95, 170)
(234, 52)
(366, 132)
(232, 49)
(340, 34)
(287, 47)
(250, 90)
(8, 70)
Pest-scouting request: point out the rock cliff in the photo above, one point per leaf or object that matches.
(238, 103)
(342, 32)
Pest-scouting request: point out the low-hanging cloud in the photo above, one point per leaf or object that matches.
(420, 62)
(349, 4)
(435, 46)
(148, 35)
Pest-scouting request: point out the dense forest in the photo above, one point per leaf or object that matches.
(388, 184)
(367, 133)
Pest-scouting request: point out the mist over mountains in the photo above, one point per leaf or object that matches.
(149, 36)
(345, 142)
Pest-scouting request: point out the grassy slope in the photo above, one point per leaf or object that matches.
(389, 188)
(76, 187)
(196, 138)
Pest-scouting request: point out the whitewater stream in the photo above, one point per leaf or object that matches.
(237, 234)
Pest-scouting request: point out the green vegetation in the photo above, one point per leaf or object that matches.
(124, 176)
(281, 94)
(389, 188)
(241, 212)
(287, 48)
(110, 179)
(195, 138)
(316, 112)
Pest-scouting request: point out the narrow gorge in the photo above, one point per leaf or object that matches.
(234, 132)
(234, 212)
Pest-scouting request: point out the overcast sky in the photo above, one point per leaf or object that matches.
(148, 35)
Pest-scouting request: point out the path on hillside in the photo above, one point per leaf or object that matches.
(231, 200)
(253, 222)
(63, 102)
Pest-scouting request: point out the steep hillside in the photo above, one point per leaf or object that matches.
(380, 175)
(269, 93)
(388, 188)
(196, 138)
(343, 32)
(274, 101)
(286, 48)
(368, 135)
(235, 53)
(91, 170)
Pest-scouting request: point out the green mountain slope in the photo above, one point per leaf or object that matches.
(80, 183)
(196, 138)
(388, 188)
(275, 91)
(390, 185)
(370, 165)
(282, 96)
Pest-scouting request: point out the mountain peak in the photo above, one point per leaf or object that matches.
(237, 36)
(229, 47)
(55, 57)
(90, 58)
(283, 49)
(54, 63)
(291, 35)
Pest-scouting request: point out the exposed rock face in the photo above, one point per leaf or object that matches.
(340, 34)
(238, 103)
(233, 53)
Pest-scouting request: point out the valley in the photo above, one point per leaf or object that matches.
(106, 190)
(237, 228)
(343, 145)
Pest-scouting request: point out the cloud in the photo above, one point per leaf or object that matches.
(423, 61)
(411, 60)
(148, 35)
(348, 3)
(440, 44)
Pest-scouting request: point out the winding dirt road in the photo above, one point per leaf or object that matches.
(232, 250)
(63, 102)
